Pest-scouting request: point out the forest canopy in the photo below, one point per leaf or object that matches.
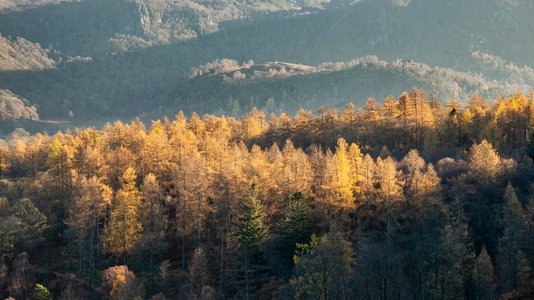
(408, 198)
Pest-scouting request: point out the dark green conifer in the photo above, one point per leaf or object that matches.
(295, 228)
(251, 231)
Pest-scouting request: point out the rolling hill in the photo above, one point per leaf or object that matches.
(119, 59)
(227, 87)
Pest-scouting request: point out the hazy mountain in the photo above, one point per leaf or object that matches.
(122, 58)
(228, 87)
(101, 26)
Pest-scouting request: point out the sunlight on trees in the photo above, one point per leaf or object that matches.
(406, 199)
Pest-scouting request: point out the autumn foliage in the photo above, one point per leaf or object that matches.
(406, 199)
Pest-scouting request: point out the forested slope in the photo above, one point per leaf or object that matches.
(13, 107)
(227, 87)
(409, 199)
(23, 55)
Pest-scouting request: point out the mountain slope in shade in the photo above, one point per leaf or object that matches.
(98, 27)
(136, 57)
(23, 55)
(232, 88)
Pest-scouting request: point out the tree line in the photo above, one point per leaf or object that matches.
(406, 199)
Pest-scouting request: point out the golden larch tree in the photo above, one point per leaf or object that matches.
(340, 184)
(485, 164)
(389, 185)
(123, 227)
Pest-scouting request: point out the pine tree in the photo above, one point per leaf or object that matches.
(323, 268)
(457, 255)
(295, 228)
(251, 231)
(36, 153)
(483, 276)
(450, 124)
(59, 167)
(349, 115)
(119, 149)
(118, 160)
(302, 118)
(87, 158)
(412, 162)
(17, 156)
(318, 166)
(29, 221)
(511, 258)
(190, 186)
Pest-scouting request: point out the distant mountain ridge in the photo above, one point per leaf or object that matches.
(123, 25)
(230, 88)
(124, 58)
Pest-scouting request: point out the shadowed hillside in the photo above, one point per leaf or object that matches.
(106, 81)
(230, 88)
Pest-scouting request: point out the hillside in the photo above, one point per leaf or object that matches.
(23, 55)
(13, 107)
(267, 149)
(124, 25)
(135, 54)
(433, 199)
(228, 87)
(315, 30)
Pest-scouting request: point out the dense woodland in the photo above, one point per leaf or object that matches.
(409, 199)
